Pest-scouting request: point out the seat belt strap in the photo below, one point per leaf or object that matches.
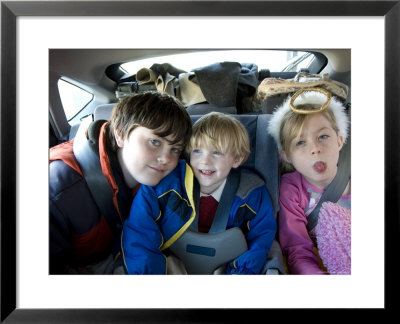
(336, 188)
(224, 206)
(91, 168)
(202, 253)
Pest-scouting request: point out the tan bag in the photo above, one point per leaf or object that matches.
(270, 87)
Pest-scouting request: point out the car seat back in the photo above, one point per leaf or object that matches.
(103, 111)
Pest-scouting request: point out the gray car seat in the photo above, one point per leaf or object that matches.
(103, 111)
(264, 159)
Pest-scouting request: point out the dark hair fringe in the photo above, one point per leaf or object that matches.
(154, 110)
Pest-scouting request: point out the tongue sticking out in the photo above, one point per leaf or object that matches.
(319, 166)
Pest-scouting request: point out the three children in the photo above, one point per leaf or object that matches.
(142, 144)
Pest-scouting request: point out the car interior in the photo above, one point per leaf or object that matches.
(85, 84)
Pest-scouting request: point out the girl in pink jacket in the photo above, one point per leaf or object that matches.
(310, 129)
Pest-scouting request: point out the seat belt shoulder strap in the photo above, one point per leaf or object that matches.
(336, 188)
(91, 168)
(224, 207)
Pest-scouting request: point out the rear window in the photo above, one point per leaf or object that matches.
(274, 60)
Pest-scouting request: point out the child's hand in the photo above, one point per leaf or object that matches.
(250, 262)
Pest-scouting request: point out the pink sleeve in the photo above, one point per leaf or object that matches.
(293, 235)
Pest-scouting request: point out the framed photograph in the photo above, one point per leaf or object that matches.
(29, 29)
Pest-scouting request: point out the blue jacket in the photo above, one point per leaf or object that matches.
(160, 215)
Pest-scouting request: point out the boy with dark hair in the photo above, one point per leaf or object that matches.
(141, 144)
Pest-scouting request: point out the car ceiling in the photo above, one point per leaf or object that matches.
(88, 65)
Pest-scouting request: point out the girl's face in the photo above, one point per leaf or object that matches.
(211, 167)
(145, 157)
(315, 153)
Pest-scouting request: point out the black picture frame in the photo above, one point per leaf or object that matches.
(10, 10)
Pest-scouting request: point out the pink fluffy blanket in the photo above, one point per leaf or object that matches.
(334, 238)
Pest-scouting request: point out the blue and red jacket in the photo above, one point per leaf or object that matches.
(161, 214)
(79, 233)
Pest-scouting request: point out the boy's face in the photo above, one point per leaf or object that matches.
(315, 153)
(145, 157)
(211, 167)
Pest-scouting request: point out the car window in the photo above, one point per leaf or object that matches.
(73, 98)
(298, 62)
(274, 60)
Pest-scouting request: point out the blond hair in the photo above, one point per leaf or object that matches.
(224, 132)
(286, 125)
(291, 128)
(338, 116)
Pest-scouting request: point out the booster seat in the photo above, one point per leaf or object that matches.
(196, 249)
